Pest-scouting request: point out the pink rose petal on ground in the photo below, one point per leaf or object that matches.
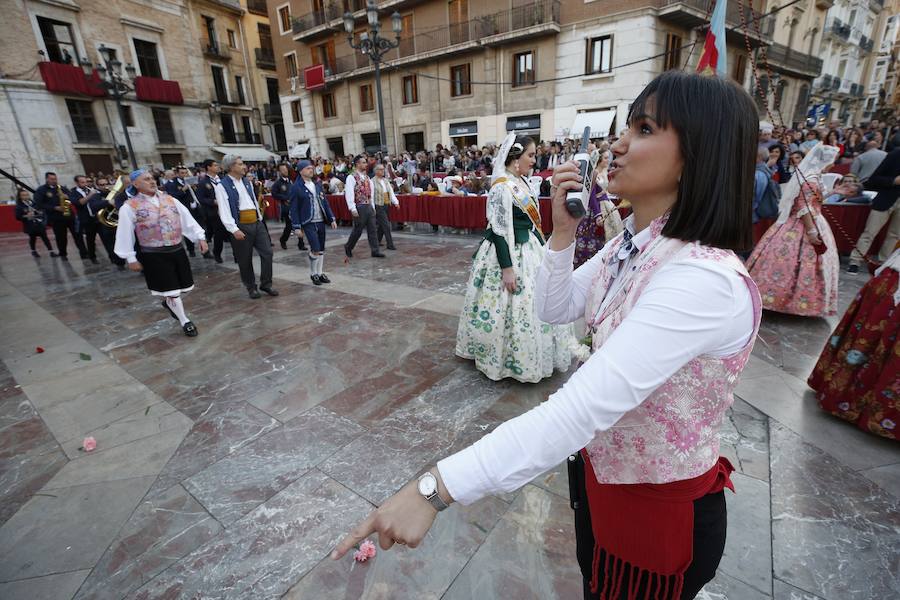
(368, 548)
(89, 444)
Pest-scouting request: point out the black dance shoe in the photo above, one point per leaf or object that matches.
(378, 254)
(269, 291)
(254, 293)
(190, 329)
(317, 280)
(324, 279)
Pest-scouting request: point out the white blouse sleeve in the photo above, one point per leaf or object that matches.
(124, 246)
(561, 294)
(687, 310)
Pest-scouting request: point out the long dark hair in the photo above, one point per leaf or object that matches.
(717, 126)
(515, 153)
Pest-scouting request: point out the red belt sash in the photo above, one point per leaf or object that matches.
(647, 526)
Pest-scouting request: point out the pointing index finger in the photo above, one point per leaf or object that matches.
(356, 535)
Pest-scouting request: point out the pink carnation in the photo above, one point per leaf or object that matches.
(89, 444)
(365, 552)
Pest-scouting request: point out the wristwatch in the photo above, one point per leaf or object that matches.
(428, 487)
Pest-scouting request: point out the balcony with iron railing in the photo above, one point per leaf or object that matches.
(241, 137)
(523, 22)
(89, 135)
(866, 43)
(265, 58)
(794, 61)
(272, 113)
(838, 29)
(168, 137)
(258, 7)
(214, 50)
(327, 19)
(694, 13)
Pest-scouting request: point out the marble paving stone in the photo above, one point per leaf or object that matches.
(748, 546)
(887, 477)
(68, 529)
(835, 533)
(59, 586)
(447, 304)
(529, 554)
(744, 438)
(423, 572)
(245, 479)
(141, 458)
(555, 481)
(162, 530)
(29, 457)
(378, 463)
(14, 404)
(224, 429)
(155, 419)
(789, 401)
(784, 591)
(724, 587)
(268, 550)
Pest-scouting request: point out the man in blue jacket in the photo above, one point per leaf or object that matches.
(310, 212)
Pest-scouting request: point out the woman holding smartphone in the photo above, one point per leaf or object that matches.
(672, 316)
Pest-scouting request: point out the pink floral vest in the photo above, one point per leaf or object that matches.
(154, 226)
(674, 434)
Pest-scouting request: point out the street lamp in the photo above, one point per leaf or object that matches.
(373, 45)
(115, 84)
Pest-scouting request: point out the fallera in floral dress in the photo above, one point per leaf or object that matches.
(791, 277)
(500, 330)
(857, 377)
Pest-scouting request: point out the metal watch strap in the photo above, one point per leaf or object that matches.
(437, 502)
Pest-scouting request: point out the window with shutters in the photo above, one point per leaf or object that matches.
(410, 90)
(366, 102)
(673, 52)
(296, 112)
(329, 109)
(599, 55)
(461, 80)
(523, 69)
(290, 64)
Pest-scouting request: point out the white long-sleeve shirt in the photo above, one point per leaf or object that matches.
(350, 193)
(687, 310)
(245, 202)
(125, 236)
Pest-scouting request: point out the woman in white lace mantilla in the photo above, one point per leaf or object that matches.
(498, 327)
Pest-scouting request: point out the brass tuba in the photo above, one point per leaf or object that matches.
(260, 197)
(109, 215)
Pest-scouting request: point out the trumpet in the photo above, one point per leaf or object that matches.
(109, 215)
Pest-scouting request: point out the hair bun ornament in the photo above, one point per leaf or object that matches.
(517, 146)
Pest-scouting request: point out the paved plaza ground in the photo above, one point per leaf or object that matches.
(229, 465)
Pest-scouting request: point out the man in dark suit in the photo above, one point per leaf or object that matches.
(51, 198)
(886, 181)
(82, 196)
(181, 190)
(310, 212)
(107, 234)
(281, 192)
(206, 195)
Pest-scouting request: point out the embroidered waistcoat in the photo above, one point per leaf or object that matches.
(156, 226)
(362, 192)
(674, 434)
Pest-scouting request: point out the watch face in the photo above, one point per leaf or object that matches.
(427, 486)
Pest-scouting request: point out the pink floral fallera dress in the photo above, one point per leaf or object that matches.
(791, 277)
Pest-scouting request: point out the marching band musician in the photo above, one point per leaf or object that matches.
(53, 200)
(107, 233)
(159, 223)
(81, 198)
(242, 217)
(182, 191)
(206, 195)
(281, 192)
(34, 221)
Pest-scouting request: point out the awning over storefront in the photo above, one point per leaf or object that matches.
(598, 120)
(463, 129)
(524, 123)
(248, 153)
(299, 151)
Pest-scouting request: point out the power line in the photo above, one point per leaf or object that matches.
(750, 22)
